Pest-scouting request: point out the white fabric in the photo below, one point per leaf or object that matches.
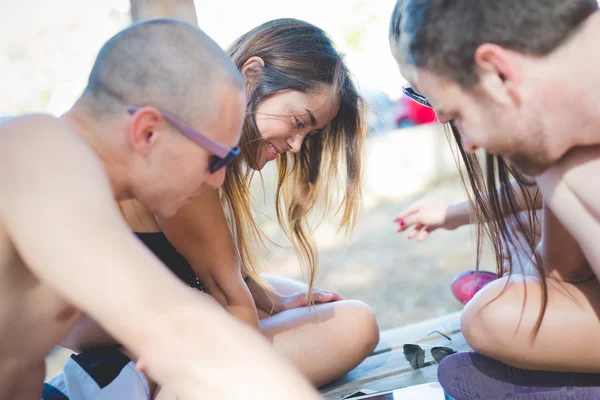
(76, 384)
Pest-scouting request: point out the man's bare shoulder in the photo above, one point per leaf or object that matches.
(574, 178)
(38, 151)
(32, 131)
(42, 143)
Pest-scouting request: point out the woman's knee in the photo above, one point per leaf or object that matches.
(358, 322)
(491, 319)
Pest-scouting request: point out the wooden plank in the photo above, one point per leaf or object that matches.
(387, 367)
(396, 337)
(387, 370)
(423, 375)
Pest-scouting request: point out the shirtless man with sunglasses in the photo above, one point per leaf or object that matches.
(64, 246)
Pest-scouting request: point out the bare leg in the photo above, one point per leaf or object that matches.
(569, 336)
(324, 342)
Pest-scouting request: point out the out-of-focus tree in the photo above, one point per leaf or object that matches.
(180, 9)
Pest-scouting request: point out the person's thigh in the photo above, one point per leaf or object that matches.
(499, 322)
(325, 341)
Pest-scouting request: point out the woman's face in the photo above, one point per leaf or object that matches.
(285, 119)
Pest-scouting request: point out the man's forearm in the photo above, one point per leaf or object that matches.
(207, 351)
(85, 334)
(245, 314)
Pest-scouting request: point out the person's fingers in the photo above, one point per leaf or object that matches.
(401, 225)
(423, 235)
(337, 296)
(296, 301)
(411, 209)
(415, 231)
(323, 297)
(140, 366)
(413, 220)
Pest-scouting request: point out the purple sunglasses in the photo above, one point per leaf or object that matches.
(223, 155)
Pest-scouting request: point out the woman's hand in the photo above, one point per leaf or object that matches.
(301, 299)
(425, 216)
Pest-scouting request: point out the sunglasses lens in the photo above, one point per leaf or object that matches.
(439, 353)
(414, 355)
(217, 163)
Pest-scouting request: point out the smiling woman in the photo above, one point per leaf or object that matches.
(285, 119)
(304, 111)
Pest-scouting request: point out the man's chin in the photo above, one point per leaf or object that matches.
(529, 165)
(164, 212)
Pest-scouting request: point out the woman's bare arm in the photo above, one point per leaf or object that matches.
(200, 232)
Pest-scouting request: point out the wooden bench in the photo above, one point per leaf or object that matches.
(387, 367)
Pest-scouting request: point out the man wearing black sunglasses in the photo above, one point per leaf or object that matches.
(64, 246)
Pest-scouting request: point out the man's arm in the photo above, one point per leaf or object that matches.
(571, 191)
(561, 255)
(200, 232)
(60, 213)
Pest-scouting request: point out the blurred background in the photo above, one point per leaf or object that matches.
(47, 51)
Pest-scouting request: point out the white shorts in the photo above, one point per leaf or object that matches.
(100, 374)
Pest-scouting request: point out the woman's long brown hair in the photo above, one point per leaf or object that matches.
(492, 210)
(297, 56)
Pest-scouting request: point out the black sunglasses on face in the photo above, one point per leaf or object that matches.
(415, 353)
(415, 96)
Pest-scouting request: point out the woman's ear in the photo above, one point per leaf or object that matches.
(252, 72)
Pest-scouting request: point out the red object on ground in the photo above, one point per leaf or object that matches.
(409, 112)
(465, 285)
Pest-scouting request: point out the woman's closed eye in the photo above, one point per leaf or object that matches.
(298, 122)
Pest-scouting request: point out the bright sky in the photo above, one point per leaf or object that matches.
(48, 47)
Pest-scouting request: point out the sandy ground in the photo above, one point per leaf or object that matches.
(403, 281)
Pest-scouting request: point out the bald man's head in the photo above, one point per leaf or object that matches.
(183, 88)
(165, 63)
